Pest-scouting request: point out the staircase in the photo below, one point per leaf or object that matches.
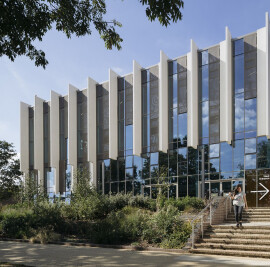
(251, 240)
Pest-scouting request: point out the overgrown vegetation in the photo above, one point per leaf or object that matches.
(92, 217)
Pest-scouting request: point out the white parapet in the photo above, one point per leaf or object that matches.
(192, 96)
(263, 95)
(72, 130)
(24, 138)
(163, 103)
(39, 140)
(226, 69)
(55, 137)
(91, 128)
(137, 109)
(113, 118)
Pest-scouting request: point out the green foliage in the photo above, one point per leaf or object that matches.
(32, 19)
(10, 175)
(44, 235)
(184, 204)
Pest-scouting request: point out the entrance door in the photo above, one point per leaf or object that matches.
(257, 188)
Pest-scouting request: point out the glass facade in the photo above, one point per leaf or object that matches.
(219, 165)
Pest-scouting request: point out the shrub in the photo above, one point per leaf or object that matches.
(44, 236)
(17, 223)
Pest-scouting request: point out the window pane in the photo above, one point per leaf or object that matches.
(239, 113)
(129, 161)
(193, 186)
(182, 186)
(250, 161)
(205, 119)
(129, 173)
(175, 91)
(137, 167)
(172, 162)
(250, 146)
(214, 165)
(129, 137)
(238, 47)
(154, 158)
(204, 57)
(250, 114)
(154, 171)
(182, 128)
(225, 157)
(238, 154)
(192, 161)
(239, 74)
(214, 151)
(175, 134)
(205, 78)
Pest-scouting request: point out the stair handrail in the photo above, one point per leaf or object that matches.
(200, 215)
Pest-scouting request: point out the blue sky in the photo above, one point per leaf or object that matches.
(73, 60)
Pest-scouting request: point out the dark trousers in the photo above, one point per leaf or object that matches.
(238, 210)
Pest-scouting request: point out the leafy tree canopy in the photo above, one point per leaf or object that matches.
(24, 21)
(10, 174)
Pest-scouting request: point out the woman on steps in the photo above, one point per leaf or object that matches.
(239, 202)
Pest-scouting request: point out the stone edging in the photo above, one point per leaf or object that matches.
(64, 243)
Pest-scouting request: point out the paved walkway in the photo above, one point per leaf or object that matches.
(57, 255)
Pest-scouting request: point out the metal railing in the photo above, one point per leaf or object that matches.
(201, 214)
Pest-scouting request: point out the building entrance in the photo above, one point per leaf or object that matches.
(257, 188)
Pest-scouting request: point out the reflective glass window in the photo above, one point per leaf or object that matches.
(129, 173)
(250, 161)
(214, 165)
(154, 171)
(238, 155)
(214, 151)
(129, 161)
(205, 83)
(137, 167)
(182, 187)
(239, 113)
(175, 134)
(172, 162)
(193, 186)
(250, 114)
(129, 137)
(239, 47)
(205, 119)
(250, 145)
(239, 74)
(204, 55)
(226, 158)
(192, 161)
(182, 127)
(154, 158)
(175, 91)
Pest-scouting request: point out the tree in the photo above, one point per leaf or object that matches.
(10, 175)
(22, 22)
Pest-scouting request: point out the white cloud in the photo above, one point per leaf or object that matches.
(118, 70)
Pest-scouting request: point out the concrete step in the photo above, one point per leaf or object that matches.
(248, 220)
(233, 236)
(246, 247)
(245, 226)
(239, 253)
(241, 230)
(262, 242)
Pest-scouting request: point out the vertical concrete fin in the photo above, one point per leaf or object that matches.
(39, 140)
(226, 88)
(137, 109)
(113, 119)
(263, 79)
(192, 96)
(91, 127)
(72, 130)
(163, 103)
(24, 138)
(55, 137)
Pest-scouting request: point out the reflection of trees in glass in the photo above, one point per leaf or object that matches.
(173, 163)
(192, 161)
(146, 167)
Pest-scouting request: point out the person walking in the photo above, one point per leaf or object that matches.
(239, 202)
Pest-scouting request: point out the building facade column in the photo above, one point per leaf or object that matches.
(192, 96)
(24, 138)
(226, 105)
(163, 103)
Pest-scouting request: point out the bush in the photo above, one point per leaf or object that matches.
(44, 236)
(17, 223)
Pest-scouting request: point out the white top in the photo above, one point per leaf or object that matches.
(238, 200)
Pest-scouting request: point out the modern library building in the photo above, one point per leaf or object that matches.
(199, 123)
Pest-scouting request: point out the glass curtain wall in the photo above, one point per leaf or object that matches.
(82, 129)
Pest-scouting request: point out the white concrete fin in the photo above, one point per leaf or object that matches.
(39, 140)
(24, 137)
(226, 88)
(163, 103)
(192, 96)
(55, 137)
(137, 109)
(91, 127)
(113, 118)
